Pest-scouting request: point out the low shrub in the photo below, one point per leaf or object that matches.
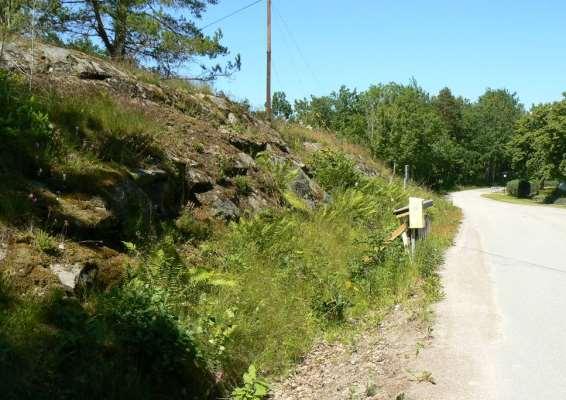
(44, 242)
(242, 184)
(522, 188)
(26, 134)
(334, 170)
(192, 228)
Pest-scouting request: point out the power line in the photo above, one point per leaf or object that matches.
(290, 58)
(296, 43)
(230, 15)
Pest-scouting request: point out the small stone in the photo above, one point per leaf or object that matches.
(232, 119)
(244, 162)
(73, 275)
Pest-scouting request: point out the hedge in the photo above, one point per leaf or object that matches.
(522, 188)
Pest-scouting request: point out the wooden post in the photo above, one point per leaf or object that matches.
(268, 83)
(406, 179)
(393, 175)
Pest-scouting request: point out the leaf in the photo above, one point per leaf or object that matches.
(131, 247)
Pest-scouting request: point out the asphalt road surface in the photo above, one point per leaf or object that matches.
(500, 332)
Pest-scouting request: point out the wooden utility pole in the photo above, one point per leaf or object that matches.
(268, 85)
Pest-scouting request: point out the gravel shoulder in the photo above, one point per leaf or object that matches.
(374, 366)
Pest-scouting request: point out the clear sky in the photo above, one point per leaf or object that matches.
(466, 45)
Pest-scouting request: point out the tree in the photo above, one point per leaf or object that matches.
(538, 149)
(450, 110)
(280, 105)
(349, 118)
(408, 130)
(488, 126)
(163, 31)
(316, 112)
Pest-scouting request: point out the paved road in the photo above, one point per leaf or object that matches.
(501, 329)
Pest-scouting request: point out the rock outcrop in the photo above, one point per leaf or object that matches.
(206, 163)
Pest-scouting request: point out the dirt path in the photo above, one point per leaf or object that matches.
(374, 367)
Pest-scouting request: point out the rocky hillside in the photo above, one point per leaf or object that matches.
(157, 240)
(199, 157)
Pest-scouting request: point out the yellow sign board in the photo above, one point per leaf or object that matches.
(416, 214)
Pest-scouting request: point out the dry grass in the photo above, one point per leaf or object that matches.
(296, 136)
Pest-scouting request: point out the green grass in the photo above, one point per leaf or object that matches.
(510, 199)
(196, 303)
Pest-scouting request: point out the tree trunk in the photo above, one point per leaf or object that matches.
(121, 30)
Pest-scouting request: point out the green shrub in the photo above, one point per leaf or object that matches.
(44, 242)
(522, 188)
(26, 133)
(242, 185)
(254, 388)
(333, 170)
(191, 227)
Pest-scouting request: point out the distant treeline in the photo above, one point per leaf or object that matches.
(446, 140)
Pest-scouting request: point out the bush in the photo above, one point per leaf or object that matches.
(242, 185)
(25, 131)
(522, 188)
(188, 225)
(333, 170)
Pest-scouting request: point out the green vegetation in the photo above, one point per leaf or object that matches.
(447, 141)
(44, 242)
(242, 185)
(538, 149)
(525, 201)
(126, 31)
(253, 388)
(281, 107)
(522, 189)
(200, 305)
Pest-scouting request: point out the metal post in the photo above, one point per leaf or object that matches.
(406, 179)
(393, 175)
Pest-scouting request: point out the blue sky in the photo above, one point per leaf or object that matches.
(468, 46)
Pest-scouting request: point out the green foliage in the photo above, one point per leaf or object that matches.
(521, 188)
(142, 30)
(192, 228)
(115, 132)
(12, 20)
(254, 388)
(44, 242)
(25, 131)
(489, 125)
(242, 185)
(121, 345)
(334, 170)
(277, 173)
(538, 149)
(444, 139)
(341, 112)
(280, 106)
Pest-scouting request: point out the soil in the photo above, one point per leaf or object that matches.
(376, 365)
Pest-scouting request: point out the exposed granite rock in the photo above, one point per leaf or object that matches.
(56, 60)
(219, 204)
(244, 162)
(74, 275)
(307, 189)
